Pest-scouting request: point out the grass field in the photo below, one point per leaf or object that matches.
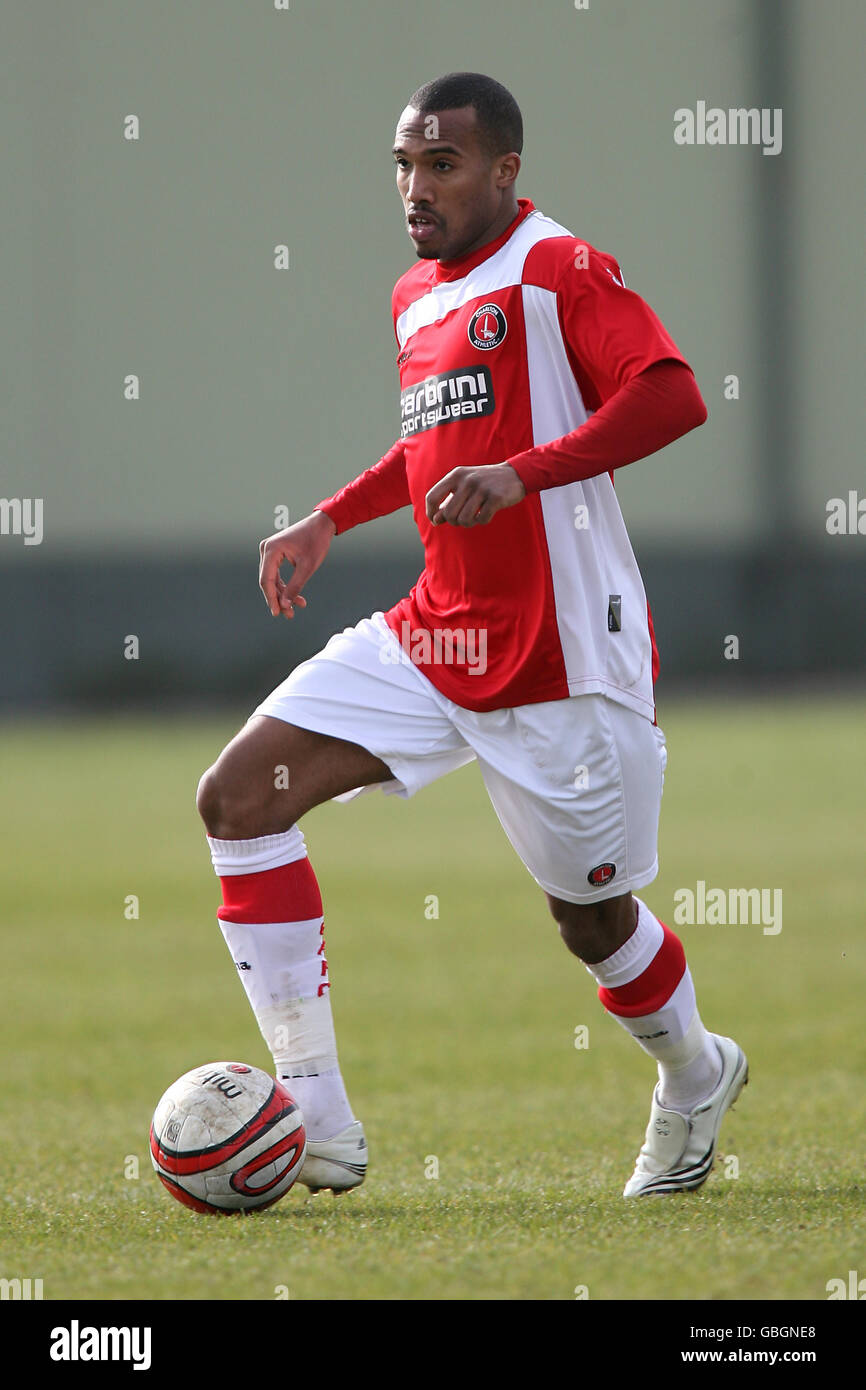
(456, 1035)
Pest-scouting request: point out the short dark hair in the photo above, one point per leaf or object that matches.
(500, 124)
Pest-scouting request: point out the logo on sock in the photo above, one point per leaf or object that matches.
(601, 874)
(243, 965)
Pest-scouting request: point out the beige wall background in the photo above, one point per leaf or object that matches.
(259, 127)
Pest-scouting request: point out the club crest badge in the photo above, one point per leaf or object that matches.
(487, 327)
(602, 874)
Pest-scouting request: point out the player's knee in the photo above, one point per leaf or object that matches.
(593, 931)
(571, 920)
(208, 798)
(572, 929)
(238, 800)
(584, 936)
(226, 812)
(573, 938)
(559, 910)
(571, 917)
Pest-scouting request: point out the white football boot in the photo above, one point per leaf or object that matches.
(679, 1150)
(339, 1163)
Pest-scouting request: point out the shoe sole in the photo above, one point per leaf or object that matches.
(336, 1191)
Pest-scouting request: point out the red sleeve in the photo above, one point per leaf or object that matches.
(652, 409)
(610, 332)
(376, 492)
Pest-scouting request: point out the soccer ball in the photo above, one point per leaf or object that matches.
(227, 1137)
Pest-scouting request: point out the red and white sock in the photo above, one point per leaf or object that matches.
(647, 987)
(273, 925)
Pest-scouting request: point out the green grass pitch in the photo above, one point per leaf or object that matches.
(456, 1033)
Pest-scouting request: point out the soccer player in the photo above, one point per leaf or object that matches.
(529, 373)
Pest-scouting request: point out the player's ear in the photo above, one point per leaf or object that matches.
(507, 169)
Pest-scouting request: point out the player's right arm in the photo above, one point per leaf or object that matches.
(376, 492)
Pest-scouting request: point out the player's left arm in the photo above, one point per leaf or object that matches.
(625, 360)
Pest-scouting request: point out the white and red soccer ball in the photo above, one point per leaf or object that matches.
(227, 1137)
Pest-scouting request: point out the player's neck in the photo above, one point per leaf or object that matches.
(507, 214)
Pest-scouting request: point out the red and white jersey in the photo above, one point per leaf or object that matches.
(502, 351)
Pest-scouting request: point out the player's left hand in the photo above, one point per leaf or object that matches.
(473, 496)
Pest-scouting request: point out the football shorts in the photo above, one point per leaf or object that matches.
(576, 783)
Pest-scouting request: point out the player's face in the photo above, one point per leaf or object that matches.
(453, 193)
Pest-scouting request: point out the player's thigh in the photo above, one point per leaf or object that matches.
(579, 795)
(355, 715)
(270, 761)
(364, 689)
(272, 773)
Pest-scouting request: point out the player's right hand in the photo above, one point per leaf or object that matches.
(305, 546)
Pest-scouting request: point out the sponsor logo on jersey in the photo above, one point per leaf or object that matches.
(463, 393)
(601, 874)
(487, 327)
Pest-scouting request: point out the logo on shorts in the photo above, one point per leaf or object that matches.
(239, 1067)
(601, 874)
(487, 327)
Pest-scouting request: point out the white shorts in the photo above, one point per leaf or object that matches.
(576, 783)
